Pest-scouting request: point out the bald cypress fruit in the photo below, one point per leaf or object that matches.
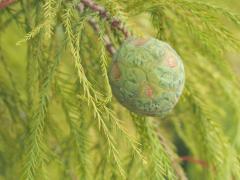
(147, 76)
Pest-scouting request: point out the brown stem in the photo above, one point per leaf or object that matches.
(107, 42)
(106, 39)
(115, 23)
(193, 160)
(5, 3)
(176, 166)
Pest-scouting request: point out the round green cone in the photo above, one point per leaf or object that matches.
(147, 76)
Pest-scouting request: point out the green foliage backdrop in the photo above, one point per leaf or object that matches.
(59, 120)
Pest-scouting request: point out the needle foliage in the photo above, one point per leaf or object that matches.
(59, 120)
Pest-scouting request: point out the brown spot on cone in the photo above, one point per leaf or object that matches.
(171, 62)
(140, 42)
(149, 91)
(116, 71)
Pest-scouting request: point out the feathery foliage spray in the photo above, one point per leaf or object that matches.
(58, 116)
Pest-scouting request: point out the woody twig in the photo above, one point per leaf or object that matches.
(107, 42)
(6, 3)
(104, 14)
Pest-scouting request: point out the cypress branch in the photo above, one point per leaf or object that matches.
(60, 119)
(5, 3)
(158, 160)
(115, 23)
(79, 132)
(36, 153)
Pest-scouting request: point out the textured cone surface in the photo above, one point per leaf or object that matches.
(147, 76)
